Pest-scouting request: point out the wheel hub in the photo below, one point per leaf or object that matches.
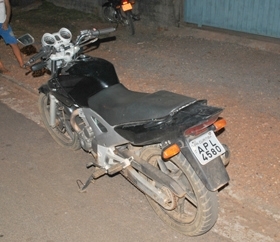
(171, 202)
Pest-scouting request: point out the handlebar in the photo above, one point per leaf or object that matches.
(67, 51)
(102, 31)
(38, 66)
(87, 35)
(45, 51)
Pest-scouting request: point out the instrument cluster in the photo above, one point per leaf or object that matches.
(62, 37)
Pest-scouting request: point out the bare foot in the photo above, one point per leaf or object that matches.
(3, 70)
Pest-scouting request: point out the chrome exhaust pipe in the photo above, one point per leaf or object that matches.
(73, 122)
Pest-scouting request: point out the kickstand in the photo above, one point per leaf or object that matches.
(82, 186)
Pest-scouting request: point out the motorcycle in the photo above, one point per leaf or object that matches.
(163, 143)
(120, 12)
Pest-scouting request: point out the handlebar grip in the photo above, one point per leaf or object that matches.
(38, 66)
(103, 31)
(45, 51)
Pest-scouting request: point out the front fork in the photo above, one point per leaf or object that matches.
(53, 105)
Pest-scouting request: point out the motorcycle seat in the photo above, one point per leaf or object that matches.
(118, 105)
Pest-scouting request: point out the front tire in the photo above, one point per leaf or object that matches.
(130, 22)
(62, 133)
(197, 212)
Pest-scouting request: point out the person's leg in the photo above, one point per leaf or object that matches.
(135, 11)
(17, 53)
(2, 68)
(11, 40)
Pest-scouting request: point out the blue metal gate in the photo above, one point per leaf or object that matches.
(260, 17)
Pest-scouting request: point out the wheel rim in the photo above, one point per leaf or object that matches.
(62, 123)
(187, 207)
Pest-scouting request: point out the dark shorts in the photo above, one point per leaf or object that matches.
(8, 35)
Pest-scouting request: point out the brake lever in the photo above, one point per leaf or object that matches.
(88, 42)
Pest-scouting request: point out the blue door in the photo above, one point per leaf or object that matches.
(260, 17)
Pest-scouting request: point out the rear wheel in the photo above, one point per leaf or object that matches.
(62, 133)
(197, 211)
(110, 14)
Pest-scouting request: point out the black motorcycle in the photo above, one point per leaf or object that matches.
(164, 143)
(120, 12)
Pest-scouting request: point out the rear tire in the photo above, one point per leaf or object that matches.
(62, 133)
(197, 212)
(109, 14)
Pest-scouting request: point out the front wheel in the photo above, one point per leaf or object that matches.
(62, 133)
(130, 22)
(196, 212)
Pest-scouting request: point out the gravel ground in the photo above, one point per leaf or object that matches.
(244, 81)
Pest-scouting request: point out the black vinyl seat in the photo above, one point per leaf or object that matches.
(118, 105)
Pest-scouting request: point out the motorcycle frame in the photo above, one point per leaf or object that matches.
(111, 149)
(108, 156)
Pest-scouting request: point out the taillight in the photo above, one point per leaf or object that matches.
(217, 124)
(200, 128)
(124, 2)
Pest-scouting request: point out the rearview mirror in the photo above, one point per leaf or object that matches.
(26, 40)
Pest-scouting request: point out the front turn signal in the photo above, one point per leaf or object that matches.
(170, 151)
(219, 124)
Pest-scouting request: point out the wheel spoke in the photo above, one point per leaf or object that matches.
(162, 166)
(196, 212)
(69, 130)
(191, 198)
(62, 132)
(183, 181)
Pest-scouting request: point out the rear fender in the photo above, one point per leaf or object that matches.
(213, 174)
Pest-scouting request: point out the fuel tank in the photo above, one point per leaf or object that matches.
(84, 79)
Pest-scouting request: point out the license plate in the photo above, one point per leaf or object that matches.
(207, 147)
(126, 7)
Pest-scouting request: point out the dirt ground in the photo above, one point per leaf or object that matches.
(244, 81)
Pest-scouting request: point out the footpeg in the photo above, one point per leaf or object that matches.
(98, 172)
(115, 168)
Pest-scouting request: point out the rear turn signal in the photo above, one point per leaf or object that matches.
(219, 124)
(170, 151)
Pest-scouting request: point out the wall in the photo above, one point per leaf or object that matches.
(88, 6)
(21, 2)
(158, 11)
(260, 17)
